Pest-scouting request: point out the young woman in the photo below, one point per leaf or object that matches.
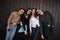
(34, 25)
(27, 17)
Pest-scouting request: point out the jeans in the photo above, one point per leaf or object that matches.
(10, 34)
(35, 33)
(21, 29)
(26, 27)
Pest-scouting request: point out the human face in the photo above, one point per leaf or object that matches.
(33, 11)
(39, 11)
(22, 11)
(29, 11)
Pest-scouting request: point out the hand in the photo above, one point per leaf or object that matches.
(26, 16)
(52, 25)
(21, 23)
(42, 36)
(30, 33)
(25, 32)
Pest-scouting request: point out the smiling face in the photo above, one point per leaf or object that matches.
(29, 11)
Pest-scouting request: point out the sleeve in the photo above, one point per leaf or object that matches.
(22, 20)
(41, 27)
(52, 23)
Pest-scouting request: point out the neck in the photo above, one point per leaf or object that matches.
(32, 14)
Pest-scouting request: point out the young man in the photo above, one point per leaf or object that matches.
(22, 17)
(47, 23)
(21, 30)
(12, 22)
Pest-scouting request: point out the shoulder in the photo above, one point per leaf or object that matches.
(14, 12)
(47, 12)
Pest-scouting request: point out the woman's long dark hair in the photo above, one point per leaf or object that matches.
(27, 10)
(29, 15)
(35, 14)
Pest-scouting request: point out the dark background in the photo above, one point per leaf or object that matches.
(6, 6)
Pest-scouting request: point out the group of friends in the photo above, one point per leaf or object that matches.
(30, 24)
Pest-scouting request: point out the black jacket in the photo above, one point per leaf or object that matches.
(22, 19)
(47, 21)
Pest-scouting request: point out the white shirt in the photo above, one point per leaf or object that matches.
(33, 22)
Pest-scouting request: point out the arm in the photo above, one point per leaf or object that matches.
(30, 26)
(9, 19)
(22, 19)
(23, 23)
(41, 29)
(52, 23)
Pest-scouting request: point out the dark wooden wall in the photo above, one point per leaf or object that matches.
(6, 6)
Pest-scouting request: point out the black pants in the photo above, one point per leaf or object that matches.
(19, 36)
(47, 35)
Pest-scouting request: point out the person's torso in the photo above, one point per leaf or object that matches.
(15, 18)
(45, 18)
(34, 22)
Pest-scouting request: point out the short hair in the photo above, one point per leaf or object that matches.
(40, 9)
(21, 8)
